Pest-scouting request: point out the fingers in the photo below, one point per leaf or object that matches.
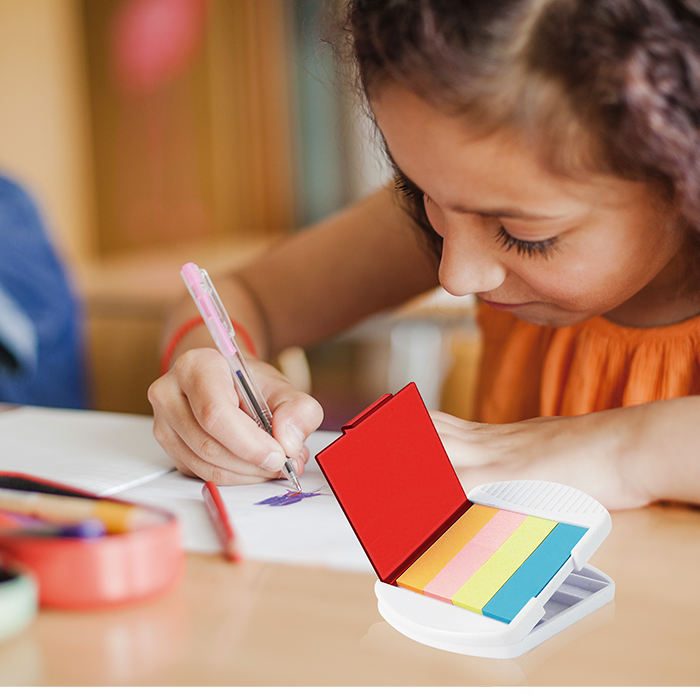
(295, 415)
(468, 444)
(203, 456)
(198, 422)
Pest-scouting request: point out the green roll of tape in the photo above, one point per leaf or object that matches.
(18, 601)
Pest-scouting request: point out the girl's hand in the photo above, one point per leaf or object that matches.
(198, 421)
(597, 453)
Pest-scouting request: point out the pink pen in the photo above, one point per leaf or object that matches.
(219, 324)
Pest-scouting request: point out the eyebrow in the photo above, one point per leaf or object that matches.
(508, 213)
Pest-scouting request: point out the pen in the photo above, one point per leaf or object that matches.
(71, 510)
(219, 324)
(219, 517)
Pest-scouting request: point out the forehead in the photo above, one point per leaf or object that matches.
(457, 164)
(449, 160)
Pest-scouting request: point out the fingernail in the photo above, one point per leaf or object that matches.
(273, 462)
(296, 437)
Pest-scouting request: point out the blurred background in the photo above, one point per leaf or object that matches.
(153, 132)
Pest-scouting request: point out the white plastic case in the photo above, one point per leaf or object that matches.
(575, 591)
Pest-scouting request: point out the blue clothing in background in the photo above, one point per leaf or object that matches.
(42, 358)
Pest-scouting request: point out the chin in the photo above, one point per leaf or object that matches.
(556, 318)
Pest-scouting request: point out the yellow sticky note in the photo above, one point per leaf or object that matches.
(431, 562)
(504, 562)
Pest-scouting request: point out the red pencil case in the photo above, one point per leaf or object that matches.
(101, 572)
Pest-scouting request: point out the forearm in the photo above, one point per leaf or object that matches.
(663, 454)
(624, 457)
(322, 280)
(325, 279)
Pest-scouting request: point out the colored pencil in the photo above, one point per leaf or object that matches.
(70, 510)
(219, 517)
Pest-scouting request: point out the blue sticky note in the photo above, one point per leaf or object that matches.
(535, 573)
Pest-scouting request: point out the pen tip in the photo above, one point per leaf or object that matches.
(292, 475)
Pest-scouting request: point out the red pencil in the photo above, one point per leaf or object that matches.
(219, 517)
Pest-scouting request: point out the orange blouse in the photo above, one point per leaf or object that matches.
(528, 371)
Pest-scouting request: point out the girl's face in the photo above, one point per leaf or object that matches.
(551, 250)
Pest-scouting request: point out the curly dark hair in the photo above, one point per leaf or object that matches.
(598, 86)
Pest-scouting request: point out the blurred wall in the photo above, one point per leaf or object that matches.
(156, 131)
(192, 105)
(255, 133)
(44, 123)
(339, 158)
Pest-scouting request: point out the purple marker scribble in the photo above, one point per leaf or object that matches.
(286, 499)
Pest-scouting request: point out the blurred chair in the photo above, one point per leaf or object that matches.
(42, 352)
(435, 343)
(432, 341)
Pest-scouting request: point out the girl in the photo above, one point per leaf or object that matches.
(549, 153)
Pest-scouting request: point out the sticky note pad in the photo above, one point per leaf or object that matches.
(432, 562)
(504, 562)
(492, 561)
(535, 573)
(474, 555)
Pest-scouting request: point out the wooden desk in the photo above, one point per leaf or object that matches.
(268, 624)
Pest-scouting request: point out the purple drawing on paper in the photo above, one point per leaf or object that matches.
(286, 499)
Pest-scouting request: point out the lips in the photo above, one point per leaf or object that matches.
(503, 307)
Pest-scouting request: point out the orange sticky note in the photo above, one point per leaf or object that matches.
(434, 560)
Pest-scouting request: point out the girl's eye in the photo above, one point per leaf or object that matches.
(530, 248)
(404, 186)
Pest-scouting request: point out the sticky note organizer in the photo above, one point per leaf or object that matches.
(491, 574)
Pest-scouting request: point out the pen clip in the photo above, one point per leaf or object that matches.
(211, 308)
(210, 290)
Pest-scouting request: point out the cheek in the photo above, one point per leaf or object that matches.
(581, 281)
(551, 282)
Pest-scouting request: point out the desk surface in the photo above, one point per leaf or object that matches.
(268, 624)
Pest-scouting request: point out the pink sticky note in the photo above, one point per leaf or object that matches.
(473, 555)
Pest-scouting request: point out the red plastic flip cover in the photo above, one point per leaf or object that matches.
(394, 481)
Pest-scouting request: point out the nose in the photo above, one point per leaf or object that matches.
(470, 263)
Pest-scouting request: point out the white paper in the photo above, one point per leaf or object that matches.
(313, 531)
(99, 452)
(116, 454)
